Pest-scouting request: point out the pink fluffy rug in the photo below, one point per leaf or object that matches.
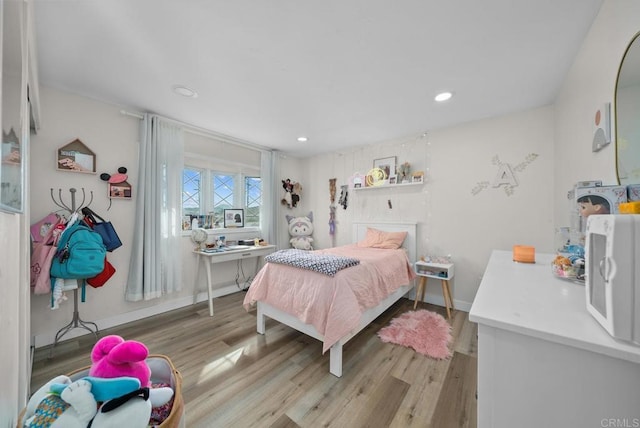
(425, 331)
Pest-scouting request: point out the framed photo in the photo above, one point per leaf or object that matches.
(392, 179)
(388, 165)
(234, 218)
(120, 190)
(418, 178)
(356, 180)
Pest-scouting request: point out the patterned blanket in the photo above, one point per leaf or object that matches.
(327, 264)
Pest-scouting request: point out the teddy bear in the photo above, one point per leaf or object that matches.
(115, 393)
(300, 229)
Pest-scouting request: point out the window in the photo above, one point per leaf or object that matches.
(223, 197)
(253, 200)
(206, 194)
(191, 179)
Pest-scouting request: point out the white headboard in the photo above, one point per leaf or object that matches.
(360, 231)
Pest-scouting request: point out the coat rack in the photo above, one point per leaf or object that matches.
(76, 321)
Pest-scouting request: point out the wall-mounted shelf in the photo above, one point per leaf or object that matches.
(387, 186)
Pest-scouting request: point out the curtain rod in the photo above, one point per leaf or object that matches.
(195, 130)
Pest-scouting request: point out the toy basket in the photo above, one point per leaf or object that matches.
(162, 371)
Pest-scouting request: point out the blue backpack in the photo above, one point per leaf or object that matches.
(80, 253)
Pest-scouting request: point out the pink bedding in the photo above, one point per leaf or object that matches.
(333, 305)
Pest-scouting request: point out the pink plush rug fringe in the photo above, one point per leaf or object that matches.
(425, 331)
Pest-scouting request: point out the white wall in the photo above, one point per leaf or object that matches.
(451, 219)
(590, 83)
(113, 138)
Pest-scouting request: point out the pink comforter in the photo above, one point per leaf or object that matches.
(333, 305)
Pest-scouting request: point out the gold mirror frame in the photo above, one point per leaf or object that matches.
(620, 141)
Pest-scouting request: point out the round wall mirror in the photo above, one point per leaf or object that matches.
(627, 110)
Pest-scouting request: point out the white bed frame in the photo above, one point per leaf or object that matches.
(335, 357)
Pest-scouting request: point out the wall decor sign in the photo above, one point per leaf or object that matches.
(602, 128)
(76, 157)
(376, 177)
(505, 176)
(234, 218)
(120, 190)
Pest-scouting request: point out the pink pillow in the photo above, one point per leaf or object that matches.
(379, 239)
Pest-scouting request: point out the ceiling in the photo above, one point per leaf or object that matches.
(341, 72)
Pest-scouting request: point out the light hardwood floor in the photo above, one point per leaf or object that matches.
(233, 377)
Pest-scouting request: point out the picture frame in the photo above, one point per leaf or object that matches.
(392, 179)
(234, 217)
(120, 190)
(356, 180)
(417, 179)
(388, 165)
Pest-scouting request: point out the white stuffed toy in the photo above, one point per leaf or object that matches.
(64, 403)
(300, 229)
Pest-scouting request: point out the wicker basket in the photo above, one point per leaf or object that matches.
(162, 371)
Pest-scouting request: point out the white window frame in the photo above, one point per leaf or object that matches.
(206, 198)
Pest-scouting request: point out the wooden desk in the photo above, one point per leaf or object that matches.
(210, 259)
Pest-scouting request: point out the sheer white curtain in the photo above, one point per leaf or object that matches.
(268, 222)
(156, 260)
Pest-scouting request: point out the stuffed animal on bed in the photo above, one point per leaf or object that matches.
(300, 229)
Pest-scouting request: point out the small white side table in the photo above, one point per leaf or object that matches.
(443, 272)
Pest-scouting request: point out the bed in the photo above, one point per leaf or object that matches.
(299, 297)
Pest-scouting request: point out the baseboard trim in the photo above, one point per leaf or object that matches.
(437, 299)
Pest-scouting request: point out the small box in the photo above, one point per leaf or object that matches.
(590, 183)
(524, 254)
(604, 199)
(629, 207)
(633, 192)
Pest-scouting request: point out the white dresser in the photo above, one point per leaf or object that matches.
(543, 360)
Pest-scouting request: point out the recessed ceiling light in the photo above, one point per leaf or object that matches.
(303, 139)
(443, 96)
(185, 92)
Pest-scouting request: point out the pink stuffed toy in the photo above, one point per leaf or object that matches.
(112, 356)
